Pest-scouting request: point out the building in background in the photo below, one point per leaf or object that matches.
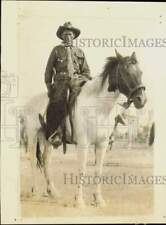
(137, 126)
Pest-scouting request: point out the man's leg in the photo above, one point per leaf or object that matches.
(54, 117)
(57, 109)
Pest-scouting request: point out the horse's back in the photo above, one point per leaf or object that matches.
(36, 105)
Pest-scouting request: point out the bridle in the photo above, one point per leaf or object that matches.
(131, 91)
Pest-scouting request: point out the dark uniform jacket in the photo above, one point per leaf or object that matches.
(58, 60)
(57, 90)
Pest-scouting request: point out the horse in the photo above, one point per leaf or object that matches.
(120, 75)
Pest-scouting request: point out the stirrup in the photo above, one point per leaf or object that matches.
(56, 143)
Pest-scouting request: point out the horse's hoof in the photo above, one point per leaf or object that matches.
(53, 193)
(45, 194)
(98, 204)
(33, 191)
(79, 203)
(99, 201)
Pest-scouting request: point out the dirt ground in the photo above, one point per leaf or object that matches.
(124, 199)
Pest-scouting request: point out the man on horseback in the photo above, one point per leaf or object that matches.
(66, 72)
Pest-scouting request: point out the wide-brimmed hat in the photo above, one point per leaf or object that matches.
(67, 26)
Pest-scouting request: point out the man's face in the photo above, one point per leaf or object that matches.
(68, 36)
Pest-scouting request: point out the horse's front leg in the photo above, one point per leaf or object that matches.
(100, 154)
(82, 163)
(51, 191)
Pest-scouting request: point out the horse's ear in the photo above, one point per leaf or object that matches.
(133, 56)
(119, 57)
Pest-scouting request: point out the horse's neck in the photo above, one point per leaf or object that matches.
(98, 96)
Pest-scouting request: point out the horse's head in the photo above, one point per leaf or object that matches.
(128, 79)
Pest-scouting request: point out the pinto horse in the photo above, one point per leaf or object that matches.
(120, 75)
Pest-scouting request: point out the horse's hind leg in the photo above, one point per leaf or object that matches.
(32, 141)
(100, 154)
(46, 164)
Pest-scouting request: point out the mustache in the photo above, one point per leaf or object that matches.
(68, 39)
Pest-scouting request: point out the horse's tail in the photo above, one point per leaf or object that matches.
(42, 122)
(39, 155)
(38, 150)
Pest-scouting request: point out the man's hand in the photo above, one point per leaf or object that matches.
(85, 78)
(49, 93)
(49, 90)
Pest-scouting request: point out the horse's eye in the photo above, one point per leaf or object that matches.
(133, 61)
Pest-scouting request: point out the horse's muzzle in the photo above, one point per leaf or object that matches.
(140, 100)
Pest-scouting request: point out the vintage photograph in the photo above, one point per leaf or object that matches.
(79, 110)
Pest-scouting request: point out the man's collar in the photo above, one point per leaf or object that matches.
(67, 45)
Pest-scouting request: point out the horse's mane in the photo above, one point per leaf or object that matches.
(108, 69)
